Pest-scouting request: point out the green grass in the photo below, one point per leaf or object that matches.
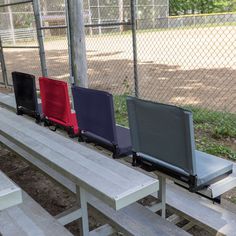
(213, 130)
(218, 124)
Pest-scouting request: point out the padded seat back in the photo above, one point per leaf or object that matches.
(95, 112)
(55, 100)
(25, 91)
(164, 133)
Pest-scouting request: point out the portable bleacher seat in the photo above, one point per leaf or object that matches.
(163, 137)
(26, 95)
(56, 105)
(95, 113)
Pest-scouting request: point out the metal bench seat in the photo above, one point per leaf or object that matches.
(29, 219)
(163, 136)
(26, 95)
(95, 113)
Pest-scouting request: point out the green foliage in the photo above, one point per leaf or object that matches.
(218, 124)
(121, 110)
(180, 7)
(211, 128)
(216, 149)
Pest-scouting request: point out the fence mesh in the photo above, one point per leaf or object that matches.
(186, 59)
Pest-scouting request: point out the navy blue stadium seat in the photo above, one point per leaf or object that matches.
(163, 136)
(26, 95)
(95, 113)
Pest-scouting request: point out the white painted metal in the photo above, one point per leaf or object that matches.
(69, 216)
(84, 208)
(8, 100)
(155, 207)
(175, 219)
(104, 230)
(20, 34)
(29, 219)
(10, 194)
(162, 195)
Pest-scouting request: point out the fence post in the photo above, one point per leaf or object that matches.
(134, 38)
(121, 14)
(3, 65)
(68, 41)
(36, 9)
(77, 42)
(11, 24)
(99, 17)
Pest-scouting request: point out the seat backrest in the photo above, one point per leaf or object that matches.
(163, 132)
(95, 112)
(55, 99)
(25, 91)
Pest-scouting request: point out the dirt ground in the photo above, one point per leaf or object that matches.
(184, 67)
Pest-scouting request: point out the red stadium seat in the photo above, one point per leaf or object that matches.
(56, 105)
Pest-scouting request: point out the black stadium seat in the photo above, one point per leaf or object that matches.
(26, 95)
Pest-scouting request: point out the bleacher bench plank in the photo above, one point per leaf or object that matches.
(93, 172)
(10, 194)
(137, 220)
(29, 219)
(8, 101)
(211, 217)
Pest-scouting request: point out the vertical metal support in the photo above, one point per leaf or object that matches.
(68, 41)
(82, 202)
(121, 14)
(37, 15)
(162, 195)
(134, 38)
(77, 42)
(99, 17)
(11, 24)
(153, 14)
(3, 65)
(90, 18)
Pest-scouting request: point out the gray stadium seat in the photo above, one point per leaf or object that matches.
(163, 136)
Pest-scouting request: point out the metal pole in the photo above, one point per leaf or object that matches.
(11, 24)
(36, 8)
(162, 195)
(68, 42)
(121, 14)
(99, 17)
(90, 18)
(15, 3)
(3, 65)
(134, 38)
(77, 42)
(153, 14)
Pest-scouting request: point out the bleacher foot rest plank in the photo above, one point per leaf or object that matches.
(29, 219)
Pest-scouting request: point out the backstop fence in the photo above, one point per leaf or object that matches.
(185, 60)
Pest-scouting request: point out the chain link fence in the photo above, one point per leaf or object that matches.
(185, 60)
(19, 39)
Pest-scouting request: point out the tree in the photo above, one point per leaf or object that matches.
(182, 7)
